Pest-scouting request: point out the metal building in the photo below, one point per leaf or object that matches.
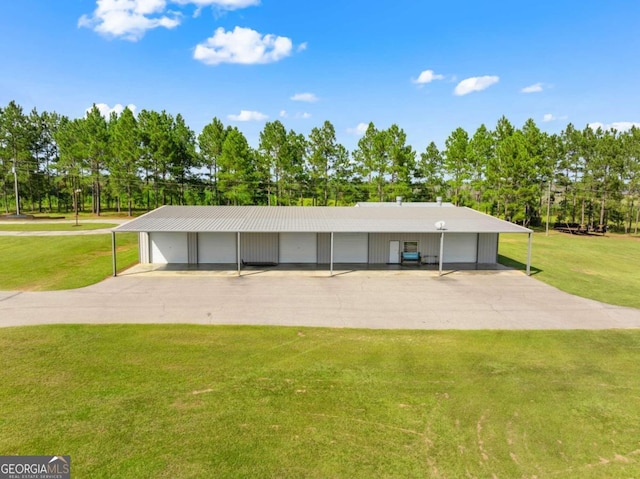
(380, 233)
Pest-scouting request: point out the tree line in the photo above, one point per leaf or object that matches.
(127, 162)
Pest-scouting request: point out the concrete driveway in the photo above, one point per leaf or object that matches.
(358, 299)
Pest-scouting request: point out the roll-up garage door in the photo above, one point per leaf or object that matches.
(169, 248)
(460, 247)
(217, 248)
(350, 248)
(298, 248)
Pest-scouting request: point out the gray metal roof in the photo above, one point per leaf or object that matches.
(404, 204)
(316, 219)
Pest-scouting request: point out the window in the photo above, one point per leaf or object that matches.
(410, 247)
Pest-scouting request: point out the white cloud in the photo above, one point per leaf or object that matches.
(551, 117)
(223, 4)
(308, 97)
(472, 84)
(130, 19)
(359, 130)
(616, 125)
(535, 88)
(106, 110)
(242, 45)
(298, 116)
(248, 115)
(302, 47)
(427, 76)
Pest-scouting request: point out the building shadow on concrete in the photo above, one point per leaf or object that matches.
(514, 264)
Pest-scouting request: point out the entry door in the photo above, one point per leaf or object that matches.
(394, 252)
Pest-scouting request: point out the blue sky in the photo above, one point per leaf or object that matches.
(428, 66)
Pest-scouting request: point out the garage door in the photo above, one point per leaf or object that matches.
(298, 248)
(460, 248)
(350, 248)
(217, 248)
(169, 248)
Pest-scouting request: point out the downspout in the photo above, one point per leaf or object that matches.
(441, 253)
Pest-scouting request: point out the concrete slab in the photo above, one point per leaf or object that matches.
(417, 299)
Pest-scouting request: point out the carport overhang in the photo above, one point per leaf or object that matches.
(332, 220)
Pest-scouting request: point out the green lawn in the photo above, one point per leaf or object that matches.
(36, 226)
(169, 401)
(604, 268)
(39, 263)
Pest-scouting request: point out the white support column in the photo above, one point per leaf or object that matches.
(238, 253)
(529, 255)
(113, 253)
(331, 259)
(441, 253)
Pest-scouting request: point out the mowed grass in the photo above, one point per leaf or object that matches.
(604, 268)
(7, 226)
(39, 263)
(166, 401)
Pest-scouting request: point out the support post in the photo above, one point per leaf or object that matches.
(331, 259)
(441, 253)
(239, 255)
(113, 253)
(529, 255)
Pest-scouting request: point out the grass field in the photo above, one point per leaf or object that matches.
(604, 268)
(8, 226)
(188, 401)
(61, 262)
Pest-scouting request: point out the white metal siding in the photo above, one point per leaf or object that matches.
(259, 247)
(192, 248)
(298, 248)
(460, 247)
(169, 248)
(428, 245)
(143, 247)
(324, 248)
(217, 248)
(488, 248)
(350, 247)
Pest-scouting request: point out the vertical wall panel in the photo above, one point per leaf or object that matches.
(488, 248)
(430, 247)
(324, 248)
(192, 248)
(143, 247)
(259, 247)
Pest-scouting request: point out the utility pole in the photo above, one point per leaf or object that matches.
(548, 207)
(15, 185)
